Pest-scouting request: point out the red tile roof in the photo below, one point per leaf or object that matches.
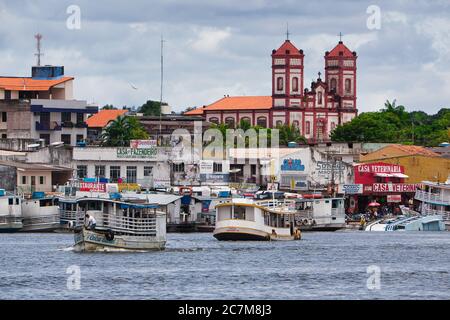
(287, 45)
(415, 150)
(29, 84)
(195, 112)
(340, 48)
(103, 117)
(236, 103)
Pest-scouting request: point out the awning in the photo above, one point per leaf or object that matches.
(400, 175)
(384, 175)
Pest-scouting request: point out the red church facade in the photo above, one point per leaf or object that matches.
(315, 111)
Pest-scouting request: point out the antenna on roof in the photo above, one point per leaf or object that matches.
(340, 37)
(162, 78)
(287, 31)
(38, 47)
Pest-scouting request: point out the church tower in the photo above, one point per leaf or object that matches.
(340, 75)
(287, 76)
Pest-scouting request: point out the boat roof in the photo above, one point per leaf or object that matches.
(436, 184)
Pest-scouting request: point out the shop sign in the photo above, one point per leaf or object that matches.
(129, 187)
(142, 144)
(351, 188)
(394, 187)
(292, 165)
(324, 168)
(133, 153)
(93, 186)
(394, 198)
(206, 166)
(214, 177)
(379, 168)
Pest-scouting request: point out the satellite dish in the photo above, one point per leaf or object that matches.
(34, 145)
(57, 143)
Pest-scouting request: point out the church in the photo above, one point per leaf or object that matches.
(315, 111)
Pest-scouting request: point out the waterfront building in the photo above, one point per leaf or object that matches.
(315, 111)
(26, 178)
(420, 164)
(42, 107)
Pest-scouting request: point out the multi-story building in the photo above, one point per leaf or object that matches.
(42, 107)
(315, 111)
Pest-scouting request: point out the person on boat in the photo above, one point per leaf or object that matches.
(91, 222)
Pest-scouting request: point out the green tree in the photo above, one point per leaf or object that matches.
(120, 131)
(290, 133)
(151, 108)
(109, 107)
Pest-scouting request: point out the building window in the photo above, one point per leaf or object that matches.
(279, 84)
(333, 126)
(295, 84)
(114, 173)
(308, 127)
(4, 117)
(246, 119)
(319, 98)
(81, 171)
(217, 167)
(66, 138)
(262, 122)
(24, 179)
(41, 180)
(295, 123)
(230, 122)
(45, 137)
(333, 84)
(66, 117)
(80, 118)
(178, 167)
(131, 174)
(80, 138)
(100, 171)
(214, 120)
(4, 136)
(279, 123)
(7, 94)
(348, 85)
(148, 171)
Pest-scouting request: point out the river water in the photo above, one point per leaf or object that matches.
(323, 265)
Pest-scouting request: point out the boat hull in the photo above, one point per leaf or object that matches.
(92, 241)
(11, 227)
(323, 227)
(249, 234)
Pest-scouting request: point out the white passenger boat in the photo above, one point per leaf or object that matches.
(40, 213)
(10, 212)
(245, 219)
(408, 223)
(434, 199)
(125, 224)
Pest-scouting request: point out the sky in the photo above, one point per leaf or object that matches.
(214, 48)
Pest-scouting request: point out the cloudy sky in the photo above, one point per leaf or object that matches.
(218, 47)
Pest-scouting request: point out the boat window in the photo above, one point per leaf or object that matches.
(239, 213)
(17, 201)
(10, 201)
(94, 205)
(335, 204)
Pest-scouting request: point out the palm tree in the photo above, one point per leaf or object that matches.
(119, 132)
(290, 133)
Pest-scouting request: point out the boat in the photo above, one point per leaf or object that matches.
(40, 213)
(408, 223)
(10, 212)
(246, 219)
(321, 214)
(434, 199)
(124, 223)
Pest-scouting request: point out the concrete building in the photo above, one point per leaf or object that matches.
(42, 107)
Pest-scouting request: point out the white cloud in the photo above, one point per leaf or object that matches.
(209, 39)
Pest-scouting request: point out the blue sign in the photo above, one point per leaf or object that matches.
(292, 165)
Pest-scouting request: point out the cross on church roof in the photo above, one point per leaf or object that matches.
(319, 73)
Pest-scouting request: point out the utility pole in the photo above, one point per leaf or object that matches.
(38, 38)
(162, 79)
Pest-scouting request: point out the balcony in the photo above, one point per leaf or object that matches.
(67, 124)
(81, 125)
(51, 126)
(432, 198)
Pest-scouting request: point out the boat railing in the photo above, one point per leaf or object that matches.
(142, 226)
(445, 214)
(431, 197)
(10, 219)
(277, 205)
